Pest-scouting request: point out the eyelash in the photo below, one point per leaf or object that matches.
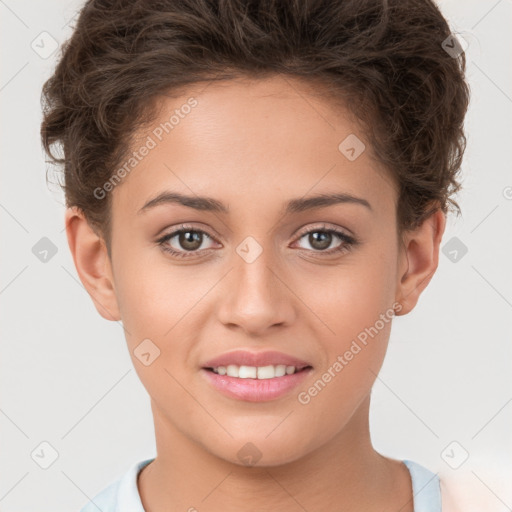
(348, 241)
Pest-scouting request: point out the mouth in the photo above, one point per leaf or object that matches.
(257, 372)
(255, 376)
(255, 384)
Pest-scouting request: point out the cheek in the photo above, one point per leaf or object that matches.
(159, 307)
(352, 296)
(150, 294)
(354, 356)
(355, 305)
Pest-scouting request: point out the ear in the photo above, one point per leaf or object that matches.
(419, 257)
(92, 263)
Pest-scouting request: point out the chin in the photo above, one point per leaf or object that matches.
(261, 452)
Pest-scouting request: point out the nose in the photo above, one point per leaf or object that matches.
(255, 297)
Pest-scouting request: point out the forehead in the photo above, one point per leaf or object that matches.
(252, 143)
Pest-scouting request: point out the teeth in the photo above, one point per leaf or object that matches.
(255, 372)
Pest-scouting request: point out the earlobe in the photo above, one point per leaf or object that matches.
(419, 260)
(92, 263)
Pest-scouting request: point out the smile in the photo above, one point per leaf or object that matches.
(256, 389)
(256, 372)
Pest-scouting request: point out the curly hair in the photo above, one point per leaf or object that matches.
(383, 59)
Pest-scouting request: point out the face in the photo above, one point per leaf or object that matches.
(257, 268)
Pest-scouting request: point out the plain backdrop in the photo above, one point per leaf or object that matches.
(443, 397)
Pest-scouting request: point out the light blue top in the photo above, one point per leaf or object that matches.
(123, 495)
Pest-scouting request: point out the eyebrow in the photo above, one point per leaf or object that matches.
(210, 204)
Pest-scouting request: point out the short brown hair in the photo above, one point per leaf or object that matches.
(387, 56)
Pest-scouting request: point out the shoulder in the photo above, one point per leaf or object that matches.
(463, 491)
(106, 500)
(120, 496)
(426, 487)
(447, 491)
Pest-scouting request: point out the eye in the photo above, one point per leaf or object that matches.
(188, 241)
(321, 238)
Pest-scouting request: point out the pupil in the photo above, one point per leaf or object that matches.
(325, 239)
(190, 240)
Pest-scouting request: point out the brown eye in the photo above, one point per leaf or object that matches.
(320, 240)
(190, 240)
(184, 242)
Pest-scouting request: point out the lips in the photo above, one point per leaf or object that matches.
(247, 358)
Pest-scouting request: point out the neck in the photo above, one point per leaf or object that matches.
(345, 473)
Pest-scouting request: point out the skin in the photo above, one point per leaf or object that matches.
(315, 456)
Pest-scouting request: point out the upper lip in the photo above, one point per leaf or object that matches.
(247, 358)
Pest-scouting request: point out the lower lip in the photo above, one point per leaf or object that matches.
(255, 390)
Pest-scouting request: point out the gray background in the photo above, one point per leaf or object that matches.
(66, 377)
